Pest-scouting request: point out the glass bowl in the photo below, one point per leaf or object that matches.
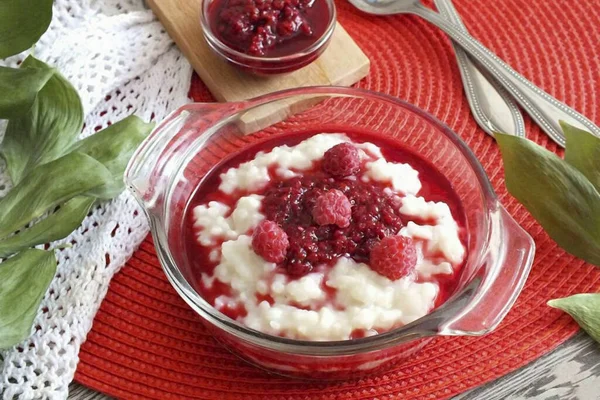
(267, 65)
(171, 162)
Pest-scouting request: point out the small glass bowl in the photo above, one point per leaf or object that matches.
(267, 65)
(167, 168)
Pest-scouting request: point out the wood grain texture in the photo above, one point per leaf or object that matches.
(80, 392)
(571, 372)
(343, 62)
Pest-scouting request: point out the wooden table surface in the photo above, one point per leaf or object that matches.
(571, 372)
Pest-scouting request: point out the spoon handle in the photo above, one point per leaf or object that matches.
(491, 105)
(543, 108)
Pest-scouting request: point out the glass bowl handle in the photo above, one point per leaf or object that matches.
(499, 281)
(158, 157)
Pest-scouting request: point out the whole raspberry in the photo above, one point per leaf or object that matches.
(341, 160)
(270, 241)
(394, 257)
(333, 207)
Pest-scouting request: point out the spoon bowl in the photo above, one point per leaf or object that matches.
(390, 7)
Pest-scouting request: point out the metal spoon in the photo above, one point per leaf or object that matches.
(491, 106)
(543, 108)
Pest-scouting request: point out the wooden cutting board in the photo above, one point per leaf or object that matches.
(343, 63)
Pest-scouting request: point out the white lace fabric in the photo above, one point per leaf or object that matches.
(121, 61)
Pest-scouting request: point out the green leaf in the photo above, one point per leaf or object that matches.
(19, 88)
(48, 186)
(22, 23)
(558, 196)
(57, 226)
(47, 130)
(583, 152)
(113, 147)
(585, 309)
(24, 280)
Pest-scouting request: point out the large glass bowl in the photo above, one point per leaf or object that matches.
(169, 165)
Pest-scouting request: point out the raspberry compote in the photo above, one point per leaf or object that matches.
(325, 236)
(269, 28)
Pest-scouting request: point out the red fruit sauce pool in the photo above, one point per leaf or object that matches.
(288, 202)
(271, 28)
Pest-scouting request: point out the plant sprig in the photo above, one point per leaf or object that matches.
(556, 193)
(563, 195)
(585, 309)
(55, 177)
(47, 129)
(22, 23)
(24, 280)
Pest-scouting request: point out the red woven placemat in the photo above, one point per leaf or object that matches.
(147, 344)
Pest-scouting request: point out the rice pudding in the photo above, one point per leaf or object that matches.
(325, 236)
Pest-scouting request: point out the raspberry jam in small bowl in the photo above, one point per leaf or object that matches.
(268, 37)
(330, 242)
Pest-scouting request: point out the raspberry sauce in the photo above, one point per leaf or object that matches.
(271, 28)
(289, 203)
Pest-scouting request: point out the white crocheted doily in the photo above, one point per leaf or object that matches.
(121, 61)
